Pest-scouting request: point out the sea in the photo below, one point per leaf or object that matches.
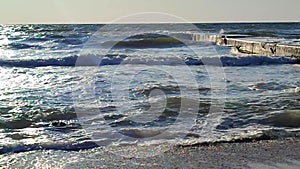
(73, 87)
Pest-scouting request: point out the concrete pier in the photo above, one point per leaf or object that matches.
(240, 44)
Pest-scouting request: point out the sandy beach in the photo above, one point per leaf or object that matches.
(282, 153)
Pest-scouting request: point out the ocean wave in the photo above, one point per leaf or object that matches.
(287, 118)
(13, 118)
(71, 146)
(87, 143)
(160, 42)
(17, 46)
(66, 61)
(270, 134)
(134, 60)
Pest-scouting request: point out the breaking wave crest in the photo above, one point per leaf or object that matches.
(123, 59)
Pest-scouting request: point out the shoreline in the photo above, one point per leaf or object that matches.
(278, 153)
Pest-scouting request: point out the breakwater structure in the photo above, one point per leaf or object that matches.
(242, 44)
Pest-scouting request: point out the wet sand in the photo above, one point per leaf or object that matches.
(255, 154)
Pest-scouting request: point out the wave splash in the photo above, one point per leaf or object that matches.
(123, 59)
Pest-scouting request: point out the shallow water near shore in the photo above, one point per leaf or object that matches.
(148, 89)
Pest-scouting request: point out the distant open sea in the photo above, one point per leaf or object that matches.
(72, 87)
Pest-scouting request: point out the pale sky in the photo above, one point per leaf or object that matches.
(107, 11)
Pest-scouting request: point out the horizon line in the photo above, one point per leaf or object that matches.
(204, 22)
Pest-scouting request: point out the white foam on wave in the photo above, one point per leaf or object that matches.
(226, 60)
